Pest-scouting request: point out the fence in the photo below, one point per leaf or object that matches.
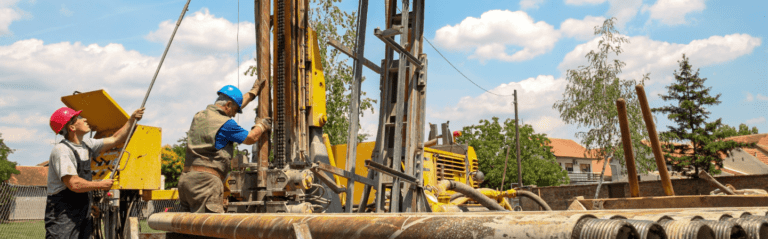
(22, 210)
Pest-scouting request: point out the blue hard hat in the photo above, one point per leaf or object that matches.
(233, 93)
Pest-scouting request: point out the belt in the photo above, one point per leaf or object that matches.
(204, 169)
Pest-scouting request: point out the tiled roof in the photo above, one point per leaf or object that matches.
(567, 148)
(752, 138)
(30, 176)
(598, 164)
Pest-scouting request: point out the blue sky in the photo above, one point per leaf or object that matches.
(48, 50)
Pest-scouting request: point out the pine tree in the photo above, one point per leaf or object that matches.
(700, 142)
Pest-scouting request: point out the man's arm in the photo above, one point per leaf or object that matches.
(80, 185)
(261, 126)
(121, 134)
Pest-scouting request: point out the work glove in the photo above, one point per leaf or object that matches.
(265, 123)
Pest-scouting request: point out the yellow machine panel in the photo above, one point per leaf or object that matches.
(364, 151)
(140, 164)
(318, 111)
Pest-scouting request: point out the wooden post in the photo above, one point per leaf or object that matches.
(626, 140)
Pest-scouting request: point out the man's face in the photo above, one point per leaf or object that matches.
(230, 109)
(80, 125)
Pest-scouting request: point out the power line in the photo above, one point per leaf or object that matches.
(457, 70)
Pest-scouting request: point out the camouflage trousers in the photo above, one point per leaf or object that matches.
(201, 192)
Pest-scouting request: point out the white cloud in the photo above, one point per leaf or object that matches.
(583, 2)
(8, 14)
(644, 55)
(203, 33)
(17, 134)
(490, 35)
(762, 97)
(758, 120)
(65, 11)
(581, 29)
(530, 4)
(535, 99)
(672, 12)
(623, 10)
(34, 75)
(749, 97)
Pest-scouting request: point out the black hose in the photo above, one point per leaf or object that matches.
(535, 198)
(474, 195)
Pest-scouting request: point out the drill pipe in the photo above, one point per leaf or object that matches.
(648, 229)
(725, 229)
(755, 228)
(404, 225)
(690, 229)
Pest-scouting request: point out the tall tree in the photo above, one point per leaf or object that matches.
(490, 140)
(701, 142)
(6, 167)
(589, 102)
(330, 22)
(729, 131)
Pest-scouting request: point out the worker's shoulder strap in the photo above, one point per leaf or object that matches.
(77, 155)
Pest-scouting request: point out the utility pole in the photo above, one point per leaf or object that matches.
(517, 144)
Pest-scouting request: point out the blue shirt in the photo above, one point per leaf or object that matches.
(230, 132)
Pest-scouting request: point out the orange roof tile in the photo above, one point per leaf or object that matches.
(752, 138)
(598, 164)
(567, 148)
(30, 176)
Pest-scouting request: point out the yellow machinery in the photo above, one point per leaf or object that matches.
(138, 172)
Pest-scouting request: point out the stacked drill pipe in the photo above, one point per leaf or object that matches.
(644, 223)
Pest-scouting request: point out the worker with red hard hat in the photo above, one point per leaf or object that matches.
(210, 148)
(68, 205)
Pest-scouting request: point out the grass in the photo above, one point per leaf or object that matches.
(36, 229)
(23, 229)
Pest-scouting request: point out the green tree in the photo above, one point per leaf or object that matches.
(589, 101)
(491, 139)
(702, 142)
(729, 131)
(6, 167)
(173, 157)
(330, 22)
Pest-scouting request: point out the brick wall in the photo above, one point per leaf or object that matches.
(560, 197)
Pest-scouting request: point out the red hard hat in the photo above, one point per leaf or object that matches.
(456, 133)
(61, 116)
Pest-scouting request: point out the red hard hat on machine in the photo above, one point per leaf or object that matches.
(61, 116)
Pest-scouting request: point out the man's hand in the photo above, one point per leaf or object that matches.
(138, 114)
(266, 123)
(105, 184)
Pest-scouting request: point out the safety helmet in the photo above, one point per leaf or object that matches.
(233, 93)
(61, 116)
(456, 133)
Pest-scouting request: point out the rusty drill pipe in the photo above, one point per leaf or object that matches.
(648, 229)
(661, 164)
(706, 177)
(687, 229)
(755, 228)
(725, 229)
(602, 228)
(371, 226)
(626, 140)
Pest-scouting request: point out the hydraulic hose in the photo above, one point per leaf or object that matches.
(471, 193)
(535, 198)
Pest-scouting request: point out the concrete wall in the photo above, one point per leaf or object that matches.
(560, 197)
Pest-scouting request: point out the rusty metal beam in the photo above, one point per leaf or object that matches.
(661, 163)
(400, 49)
(389, 171)
(629, 155)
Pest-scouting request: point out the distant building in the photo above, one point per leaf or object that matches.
(29, 189)
(572, 157)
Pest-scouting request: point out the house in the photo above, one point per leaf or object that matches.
(29, 189)
(572, 157)
(747, 160)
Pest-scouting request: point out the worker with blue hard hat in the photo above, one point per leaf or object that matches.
(210, 148)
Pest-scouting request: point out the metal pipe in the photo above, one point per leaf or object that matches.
(144, 102)
(725, 229)
(535, 198)
(706, 177)
(687, 229)
(517, 146)
(626, 140)
(648, 229)
(755, 228)
(405, 225)
(602, 228)
(262, 18)
(661, 163)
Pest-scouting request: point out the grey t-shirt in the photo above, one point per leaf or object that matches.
(62, 162)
